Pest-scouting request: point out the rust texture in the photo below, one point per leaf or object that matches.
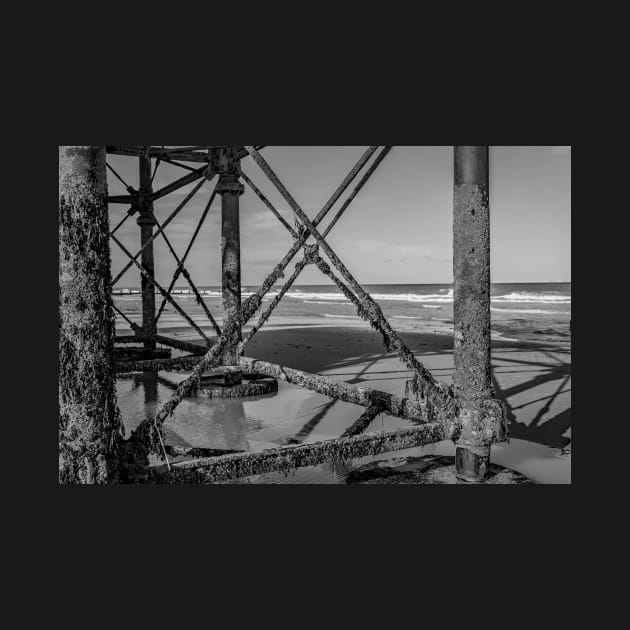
(288, 458)
(177, 364)
(268, 203)
(266, 314)
(482, 417)
(253, 303)
(159, 229)
(146, 221)
(439, 399)
(180, 265)
(363, 396)
(90, 427)
(468, 413)
(363, 421)
(252, 385)
(162, 290)
(180, 344)
(230, 189)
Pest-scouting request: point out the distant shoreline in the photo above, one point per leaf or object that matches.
(136, 289)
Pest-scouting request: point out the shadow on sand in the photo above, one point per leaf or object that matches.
(335, 362)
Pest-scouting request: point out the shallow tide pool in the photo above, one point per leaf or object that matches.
(297, 415)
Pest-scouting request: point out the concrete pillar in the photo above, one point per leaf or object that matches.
(146, 221)
(472, 381)
(89, 421)
(230, 188)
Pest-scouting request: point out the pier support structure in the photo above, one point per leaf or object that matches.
(146, 221)
(471, 273)
(467, 413)
(89, 420)
(230, 188)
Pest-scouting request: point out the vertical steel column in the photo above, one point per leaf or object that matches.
(89, 421)
(230, 188)
(471, 270)
(146, 221)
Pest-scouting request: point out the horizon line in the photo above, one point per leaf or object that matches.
(363, 284)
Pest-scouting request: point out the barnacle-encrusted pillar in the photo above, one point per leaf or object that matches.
(89, 421)
(471, 269)
(230, 188)
(146, 221)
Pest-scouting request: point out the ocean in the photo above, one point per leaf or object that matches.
(523, 311)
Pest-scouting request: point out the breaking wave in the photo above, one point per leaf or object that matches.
(431, 300)
(533, 298)
(445, 296)
(528, 311)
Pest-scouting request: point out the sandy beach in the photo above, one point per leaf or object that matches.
(533, 377)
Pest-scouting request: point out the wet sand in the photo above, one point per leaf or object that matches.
(533, 377)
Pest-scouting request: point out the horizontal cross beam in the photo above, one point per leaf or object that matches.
(174, 364)
(205, 170)
(340, 390)
(288, 458)
(187, 154)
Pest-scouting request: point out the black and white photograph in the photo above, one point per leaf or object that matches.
(333, 315)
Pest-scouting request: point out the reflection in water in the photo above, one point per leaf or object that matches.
(150, 384)
(205, 423)
(197, 422)
(251, 424)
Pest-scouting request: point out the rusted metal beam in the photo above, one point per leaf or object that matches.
(268, 203)
(129, 213)
(300, 265)
(276, 300)
(363, 421)
(179, 268)
(139, 151)
(129, 188)
(205, 171)
(174, 364)
(161, 289)
(159, 231)
(184, 271)
(363, 396)
(482, 418)
(174, 163)
(148, 435)
(127, 338)
(199, 148)
(252, 304)
(364, 179)
(146, 221)
(148, 431)
(177, 184)
(131, 324)
(122, 199)
(288, 458)
(438, 398)
(230, 189)
(194, 451)
(180, 344)
(188, 154)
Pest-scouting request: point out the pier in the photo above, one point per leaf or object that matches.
(91, 445)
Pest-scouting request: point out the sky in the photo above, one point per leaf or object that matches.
(398, 229)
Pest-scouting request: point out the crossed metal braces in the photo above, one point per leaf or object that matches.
(438, 400)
